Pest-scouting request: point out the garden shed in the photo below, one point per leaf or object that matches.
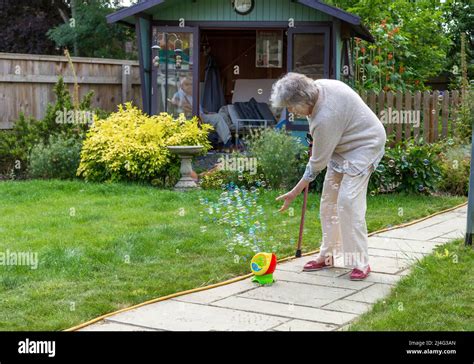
(198, 55)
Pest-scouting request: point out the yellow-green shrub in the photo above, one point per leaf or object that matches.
(130, 145)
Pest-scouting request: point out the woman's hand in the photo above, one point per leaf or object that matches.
(287, 198)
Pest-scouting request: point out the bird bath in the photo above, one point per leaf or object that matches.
(186, 154)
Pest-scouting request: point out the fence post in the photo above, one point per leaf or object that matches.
(417, 106)
(371, 101)
(426, 116)
(126, 83)
(454, 114)
(399, 106)
(435, 116)
(389, 112)
(409, 111)
(445, 114)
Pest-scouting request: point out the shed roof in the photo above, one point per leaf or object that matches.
(126, 15)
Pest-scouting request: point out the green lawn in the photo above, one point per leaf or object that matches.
(437, 296)
(102, 247)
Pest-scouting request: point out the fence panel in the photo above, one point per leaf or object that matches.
(27, 81)
(430, 115)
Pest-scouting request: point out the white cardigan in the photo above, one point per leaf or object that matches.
(347, 135)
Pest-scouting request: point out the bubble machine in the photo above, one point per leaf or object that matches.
(263, 265)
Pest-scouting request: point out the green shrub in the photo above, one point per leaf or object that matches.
(59, 158)
(131, 146)
(409, 167)
(60, 119)
(15, 146)
(280, 157)
(455, 168)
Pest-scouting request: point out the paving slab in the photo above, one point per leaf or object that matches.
(287, 310)
(114, 326)
(396, 244)
(397, 254)
(298, 293)
(388, 265)
(298, 267)
(371, 294)
(347, 306)
(319, 280)
(425, 233)
(218, 293)
(300, 325)
(184, 316)
(384, 278)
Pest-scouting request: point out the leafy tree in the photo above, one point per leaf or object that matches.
(88, 33)
(45, 26)
(419, 46)
(459, 16)
(24, 24)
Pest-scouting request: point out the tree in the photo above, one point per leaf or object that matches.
(88, 33)
(421, 43)
(459, 16)
(24, 24)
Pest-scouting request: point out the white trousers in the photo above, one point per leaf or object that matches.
(342, 211)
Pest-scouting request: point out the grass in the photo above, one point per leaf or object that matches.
(103, 247)
(437, 296)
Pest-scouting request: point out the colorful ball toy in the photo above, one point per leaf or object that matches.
(263, 265)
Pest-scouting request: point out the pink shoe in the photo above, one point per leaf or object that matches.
(313, 265)
(358, 275)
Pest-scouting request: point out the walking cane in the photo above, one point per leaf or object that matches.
(309, 139)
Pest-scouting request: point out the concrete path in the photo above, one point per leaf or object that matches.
(317, 301)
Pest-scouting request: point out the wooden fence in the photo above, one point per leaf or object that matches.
(431, 115)
(26, 85)
(27, 81)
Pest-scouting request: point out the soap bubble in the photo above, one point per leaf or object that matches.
(238, 208)
(391, 163)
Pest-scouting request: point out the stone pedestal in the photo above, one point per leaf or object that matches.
(186, 154)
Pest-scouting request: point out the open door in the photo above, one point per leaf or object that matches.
(175, 58)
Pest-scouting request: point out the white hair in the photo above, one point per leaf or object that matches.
(294, 89)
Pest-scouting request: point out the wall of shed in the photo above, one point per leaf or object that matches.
(221, 10)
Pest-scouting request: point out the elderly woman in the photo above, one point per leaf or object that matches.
(349, 140)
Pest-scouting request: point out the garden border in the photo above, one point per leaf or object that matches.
(240, 278)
